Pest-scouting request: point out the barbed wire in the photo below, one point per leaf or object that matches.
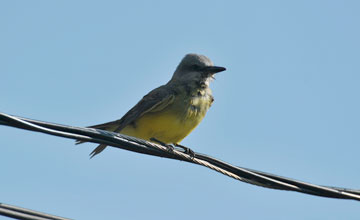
(141, 146)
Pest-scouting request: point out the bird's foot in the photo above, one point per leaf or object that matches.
(187, 150)
(168, 146)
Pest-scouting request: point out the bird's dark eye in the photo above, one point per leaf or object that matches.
(195, 67)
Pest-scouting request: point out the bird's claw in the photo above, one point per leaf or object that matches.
(169, 147)
(187, 150)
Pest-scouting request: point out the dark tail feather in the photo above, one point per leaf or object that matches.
(109, 126)
(97, 150)
(105, 126)
(79, 142)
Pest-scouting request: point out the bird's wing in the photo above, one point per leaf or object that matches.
(156, 100)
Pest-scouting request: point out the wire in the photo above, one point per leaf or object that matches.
(26, 214)
(141, 146)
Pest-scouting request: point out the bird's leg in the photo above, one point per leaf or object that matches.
(168, 146)
(187, 150)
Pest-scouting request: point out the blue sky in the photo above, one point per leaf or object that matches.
(288, 104)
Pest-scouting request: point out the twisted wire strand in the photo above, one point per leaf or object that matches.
(141, 146)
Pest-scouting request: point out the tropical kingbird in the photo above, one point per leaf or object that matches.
(170, 112)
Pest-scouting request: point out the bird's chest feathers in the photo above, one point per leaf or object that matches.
(198, 105)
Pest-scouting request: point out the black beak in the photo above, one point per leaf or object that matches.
(214, 69)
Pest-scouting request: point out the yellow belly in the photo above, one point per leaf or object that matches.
(166, 126)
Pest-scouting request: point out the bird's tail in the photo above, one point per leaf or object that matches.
(110, 126)
(97, 150)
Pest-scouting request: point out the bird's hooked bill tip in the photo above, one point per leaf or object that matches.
(214, 69)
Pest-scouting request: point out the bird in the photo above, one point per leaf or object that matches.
(170, 112)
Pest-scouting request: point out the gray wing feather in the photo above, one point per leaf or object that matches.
(156, 100)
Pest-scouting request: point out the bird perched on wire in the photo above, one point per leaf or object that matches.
(170, 112)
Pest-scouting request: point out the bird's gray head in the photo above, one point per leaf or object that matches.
(196, 68)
